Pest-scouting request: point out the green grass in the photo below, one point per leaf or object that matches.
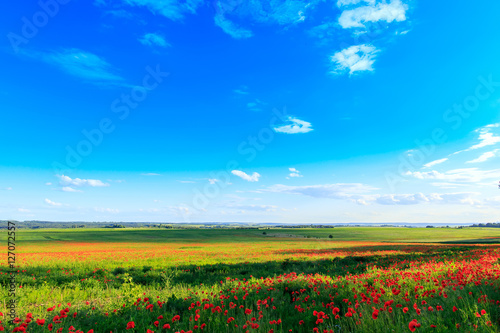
(147, 235)
(176, 264)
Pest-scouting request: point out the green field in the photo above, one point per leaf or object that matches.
(102, 273)
(401, 235)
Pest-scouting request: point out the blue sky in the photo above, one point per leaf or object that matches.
(266, 111)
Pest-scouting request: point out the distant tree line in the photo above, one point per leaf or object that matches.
(487, 225)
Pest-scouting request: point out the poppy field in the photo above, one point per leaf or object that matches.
(250, 280)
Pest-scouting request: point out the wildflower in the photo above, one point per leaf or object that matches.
(413, 325)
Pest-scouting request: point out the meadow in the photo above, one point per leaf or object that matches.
(249, 280)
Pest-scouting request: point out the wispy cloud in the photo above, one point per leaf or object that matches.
(256, 208)
(486, 138)
(69, 189)
(294, 125)
(485, 156)
(282, 13)
(172, 9)
(121, 13)
(418, 198)
(394, 10)
(231, 28)
(358, 193)
(336, 191)
(78, 182)
(153, 39)
(467, 175)
(256, 105)
(150, 174)
(448, 185)
(436, 162)
(356, 58)
(106, 210)
(341, 3)
(243, 90)
(82, 64)
(52, 203)
(180, 210)
(251, 178)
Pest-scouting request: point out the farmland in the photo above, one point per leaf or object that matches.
(239, 280)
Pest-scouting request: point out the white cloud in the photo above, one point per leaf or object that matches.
(243, 90)
(468, 175)
(256, 105)
(414, 199)
(293, 126)
(486, 138)
(383, 11)
(52, 203)
(7, 189)
(257, 208)
(335, 191)
(150, 174)
(172, 9)
(341, 3)
(69, 189)
(357, 193)
(180, 210)
(251, 178)
(48, 183)
(186, 181)
(151, 39)
(448, 185)
(231, 28)
(355, 58)
(280, 12)
(82, 64)
(77, 182)
(294, 172)
(436, 162)
(485, 156)
(212, 181)
(23, 210)
(106, 210)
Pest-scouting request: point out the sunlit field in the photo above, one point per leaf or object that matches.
(237, 280)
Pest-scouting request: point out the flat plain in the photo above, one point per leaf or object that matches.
(345, 279)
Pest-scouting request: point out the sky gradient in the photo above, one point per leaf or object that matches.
(252, 111)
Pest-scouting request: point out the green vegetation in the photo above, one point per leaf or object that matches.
(100, 271)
